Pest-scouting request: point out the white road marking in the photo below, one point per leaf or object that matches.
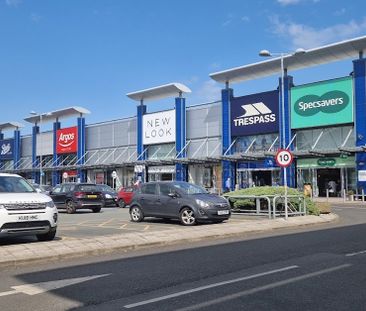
(39, 288)
(201, 288)
(356, 253)
(262, 288)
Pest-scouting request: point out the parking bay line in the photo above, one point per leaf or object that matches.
(201, 288)
(263, 288)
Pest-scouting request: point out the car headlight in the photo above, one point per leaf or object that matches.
(202, 203)
(2, 206)
(108, 196)
(50, 204)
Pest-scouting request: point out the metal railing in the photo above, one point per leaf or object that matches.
(271, 206)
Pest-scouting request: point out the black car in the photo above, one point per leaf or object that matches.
(73, 196)
(109, 195)
(180, 200)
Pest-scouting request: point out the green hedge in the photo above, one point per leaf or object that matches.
(271, 191)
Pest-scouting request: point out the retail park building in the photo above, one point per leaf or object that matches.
(230, 142)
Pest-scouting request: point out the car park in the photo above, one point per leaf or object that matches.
(24, 211)
(178, 200)
(74, 196)
(109, 195)
(125, 196)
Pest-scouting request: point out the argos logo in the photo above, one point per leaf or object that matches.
(67, 141)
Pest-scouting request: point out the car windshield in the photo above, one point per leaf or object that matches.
(189, 188)
(14, 184)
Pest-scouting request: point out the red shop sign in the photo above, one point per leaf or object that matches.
(67, 140)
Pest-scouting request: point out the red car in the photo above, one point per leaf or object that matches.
(124, 196)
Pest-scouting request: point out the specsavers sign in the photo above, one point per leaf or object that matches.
(159, 128)
(253, 114)
(322, 103)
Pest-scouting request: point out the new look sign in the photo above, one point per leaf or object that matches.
(254, 114)
(6, 149)
(158, 128)
(322, 103)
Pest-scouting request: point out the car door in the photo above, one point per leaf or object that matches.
(55, 194)
(168, 205)
(147, 199)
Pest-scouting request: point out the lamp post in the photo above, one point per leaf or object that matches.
(266, 53)
(40, 142)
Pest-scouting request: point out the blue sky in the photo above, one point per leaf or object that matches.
(56, 54)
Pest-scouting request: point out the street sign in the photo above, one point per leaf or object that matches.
(65, 175)
(114, 174)
(284, 158)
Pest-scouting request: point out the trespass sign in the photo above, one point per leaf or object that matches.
(254, 114)
(322, 103)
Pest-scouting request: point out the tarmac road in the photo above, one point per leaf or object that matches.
(316, 269)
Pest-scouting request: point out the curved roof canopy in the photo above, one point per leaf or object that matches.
(57, 114)
(158, 92)
(10, 126)
(313, 57)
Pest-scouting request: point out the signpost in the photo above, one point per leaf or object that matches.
(284, 159)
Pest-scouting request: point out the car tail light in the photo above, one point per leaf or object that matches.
(79, 194)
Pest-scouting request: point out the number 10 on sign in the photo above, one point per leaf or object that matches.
(284, 158)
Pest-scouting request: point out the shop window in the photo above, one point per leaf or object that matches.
(257, 143)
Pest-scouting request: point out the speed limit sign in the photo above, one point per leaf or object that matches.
(284, 158)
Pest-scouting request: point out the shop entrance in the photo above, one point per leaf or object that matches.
(329, 178)
(262, 178)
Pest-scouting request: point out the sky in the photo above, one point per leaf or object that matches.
(91, 53)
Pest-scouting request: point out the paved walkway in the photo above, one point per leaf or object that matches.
(15, 255)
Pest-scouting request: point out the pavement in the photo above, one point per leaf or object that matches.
(65, 248)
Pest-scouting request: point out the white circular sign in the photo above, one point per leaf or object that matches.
(65, 175)
(114, 174)
(284, 158)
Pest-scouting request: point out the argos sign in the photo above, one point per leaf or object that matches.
(254, 114)
(67, 140)
(322, 103)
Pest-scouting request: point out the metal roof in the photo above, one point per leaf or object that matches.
(57, 114)
(10, 126)
(313, 57)
(158, 92)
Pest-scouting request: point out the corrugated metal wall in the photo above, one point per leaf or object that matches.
(26, 146)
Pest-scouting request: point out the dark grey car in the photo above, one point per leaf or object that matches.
(178, 200)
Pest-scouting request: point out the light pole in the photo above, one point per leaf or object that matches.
(40, 142)
(266, 53)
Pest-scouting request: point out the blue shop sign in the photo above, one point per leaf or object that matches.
(6, 149)
(255, 114)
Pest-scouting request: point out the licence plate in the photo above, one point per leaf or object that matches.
(92, 196)
(27, 217)
(225, 212)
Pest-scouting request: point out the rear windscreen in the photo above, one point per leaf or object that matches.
(88, 188)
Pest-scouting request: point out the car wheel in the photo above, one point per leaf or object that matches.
(70, 208)
(187, 217)
(49, 236)
(121, 203)
(136, 214)
(96, 209)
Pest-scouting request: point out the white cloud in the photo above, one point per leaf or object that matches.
(245, 19)
(35, 18)
(340, 12)
(13, 3)
(305, 36)
(209, 91)
(288, 2)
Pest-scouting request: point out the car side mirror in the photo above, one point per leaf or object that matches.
(38, 190)
(173, 195)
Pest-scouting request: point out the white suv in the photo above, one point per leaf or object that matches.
(24, 211)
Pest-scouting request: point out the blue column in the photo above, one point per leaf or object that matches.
(228, 167)
(181, 170)
(288, 83)
(359, 71)
(1, 163)
(141, 110)
(17, 149)
(56, 175)
(35, 161)
(81, 148)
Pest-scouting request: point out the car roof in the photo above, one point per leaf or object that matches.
(8, 174)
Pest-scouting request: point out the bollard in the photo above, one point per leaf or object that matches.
(344, 195)
(363, 195)
(327, 194)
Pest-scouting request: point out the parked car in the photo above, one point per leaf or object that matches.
(109, 195)
(73, 196)
(24, 211)
(45, 189)
(125, 196)
(180, 200)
